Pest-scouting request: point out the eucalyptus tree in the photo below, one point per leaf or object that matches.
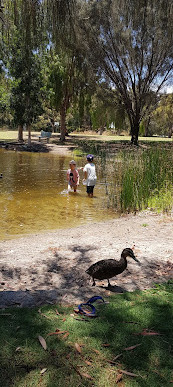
(68, 66)
(107, 108)
(21, 39)
(66, 75)
(131, 43)
(26, 92)
(35, 25)
(60, 83)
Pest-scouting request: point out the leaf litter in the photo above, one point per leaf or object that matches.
(42, 342)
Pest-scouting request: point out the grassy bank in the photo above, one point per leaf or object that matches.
(129, 343)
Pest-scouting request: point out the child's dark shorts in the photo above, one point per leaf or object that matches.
(90, 189)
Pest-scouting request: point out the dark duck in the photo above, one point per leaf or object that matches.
(108, 268)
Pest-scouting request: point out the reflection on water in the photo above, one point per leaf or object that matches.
(34, 196)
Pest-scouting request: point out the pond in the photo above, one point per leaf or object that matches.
(34, 197)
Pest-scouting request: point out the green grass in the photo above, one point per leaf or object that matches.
(13, 135)
(119, 324)
(110, 137)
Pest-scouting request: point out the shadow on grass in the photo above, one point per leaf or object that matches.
(56, 276)
(119, 325)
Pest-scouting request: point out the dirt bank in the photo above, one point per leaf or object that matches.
(50, 267)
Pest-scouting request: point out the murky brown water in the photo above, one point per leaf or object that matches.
(33, 195)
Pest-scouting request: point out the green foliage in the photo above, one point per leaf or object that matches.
(162, 117)
(26, 92)
(83, 45)
(57, 72)
(5, 86)
(107, 108)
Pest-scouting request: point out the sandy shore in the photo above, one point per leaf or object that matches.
(50, 267)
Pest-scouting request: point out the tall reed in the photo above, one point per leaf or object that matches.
(141, 179)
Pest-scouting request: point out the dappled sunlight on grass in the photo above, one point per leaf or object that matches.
(133, 333)
(111, 137)
(13, 135)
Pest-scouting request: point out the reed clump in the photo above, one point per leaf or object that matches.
(140, 179)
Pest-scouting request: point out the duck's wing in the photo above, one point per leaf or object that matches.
(101, 268)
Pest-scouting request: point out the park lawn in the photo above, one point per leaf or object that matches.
(131, 334)
(108, 137)
(11, 135)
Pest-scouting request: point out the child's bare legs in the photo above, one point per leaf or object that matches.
(75, 188)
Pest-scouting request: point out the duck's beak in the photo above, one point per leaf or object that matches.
(135, 259)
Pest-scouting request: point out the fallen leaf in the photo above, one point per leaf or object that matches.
(119, 377)
(105, 345)
(43, 371)
(145, 332)
(88, 362)
(78, 348)
(85, 375)
(128, 373)
(42, 342)
(58, 332)
(64, 319)
(132, 347)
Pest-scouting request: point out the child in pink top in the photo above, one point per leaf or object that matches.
(73, 176)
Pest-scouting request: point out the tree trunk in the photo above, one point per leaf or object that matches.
(63, 122)
(134, 133)
(147, 127)
(170, 131)
(20, 133)
(29, 134)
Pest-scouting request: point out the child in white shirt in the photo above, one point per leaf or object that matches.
(90, 175)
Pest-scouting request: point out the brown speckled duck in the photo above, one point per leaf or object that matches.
(108, 268)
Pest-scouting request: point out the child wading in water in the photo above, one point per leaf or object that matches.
(90, 175)
(72, 176)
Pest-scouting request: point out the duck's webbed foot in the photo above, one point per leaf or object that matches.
(93, 284)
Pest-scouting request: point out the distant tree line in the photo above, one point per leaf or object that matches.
(89, 64)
